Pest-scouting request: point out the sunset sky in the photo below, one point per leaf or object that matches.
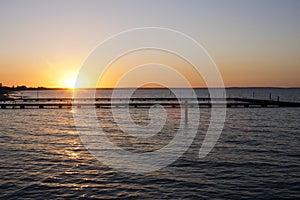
(253, 42)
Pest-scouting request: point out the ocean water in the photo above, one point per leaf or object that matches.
(256, 157)
(285, 94)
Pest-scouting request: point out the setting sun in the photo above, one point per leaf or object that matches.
(67, 80)
(70, 82)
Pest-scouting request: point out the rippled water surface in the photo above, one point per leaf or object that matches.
(257, 156)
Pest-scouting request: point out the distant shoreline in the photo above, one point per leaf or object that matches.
(146, 88)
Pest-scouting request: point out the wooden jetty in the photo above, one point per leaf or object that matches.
(42, 103)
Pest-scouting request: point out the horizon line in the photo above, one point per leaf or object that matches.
(112, 88)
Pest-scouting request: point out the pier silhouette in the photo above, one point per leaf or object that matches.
(59, 103)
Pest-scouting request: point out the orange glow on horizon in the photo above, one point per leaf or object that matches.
(66, 80)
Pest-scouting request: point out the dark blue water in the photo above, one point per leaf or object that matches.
(257, 156)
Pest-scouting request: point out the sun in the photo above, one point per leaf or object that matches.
(70, 82)
(67, 80)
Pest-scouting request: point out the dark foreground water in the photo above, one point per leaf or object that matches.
(257, 156)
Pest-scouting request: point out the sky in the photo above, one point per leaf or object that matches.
(253, 43)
